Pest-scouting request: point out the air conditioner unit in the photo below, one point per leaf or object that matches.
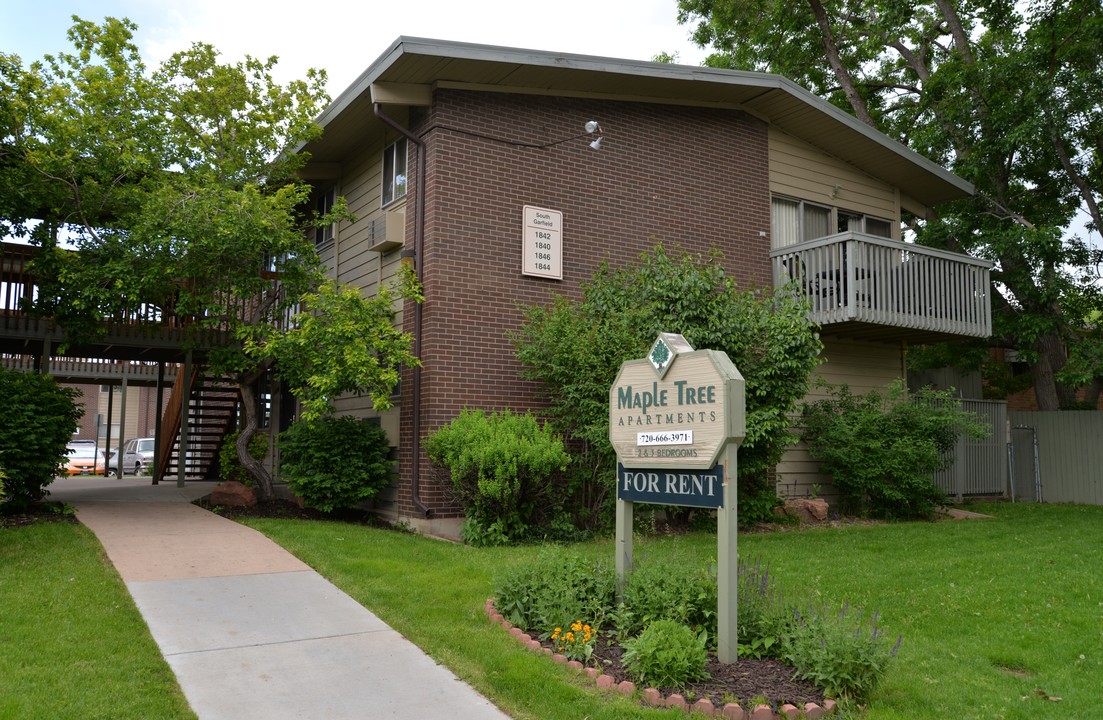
(394, 232)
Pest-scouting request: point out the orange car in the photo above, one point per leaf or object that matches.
(86, 459)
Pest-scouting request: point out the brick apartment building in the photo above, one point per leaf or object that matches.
(446, 150)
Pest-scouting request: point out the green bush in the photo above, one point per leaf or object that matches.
(843, 653)
(502, 467)
(3, 477)
(230, 467)
(666, 654)
(882, 451)
(555, 590)
(335, 463)
(574, 349)
(676, 591)
(38, 421)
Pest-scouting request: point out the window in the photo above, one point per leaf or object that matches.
(878, 227)
(854, 222)
(794, 221)
(323, 206)
(394, 172)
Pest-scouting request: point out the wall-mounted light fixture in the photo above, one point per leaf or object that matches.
(594, 127)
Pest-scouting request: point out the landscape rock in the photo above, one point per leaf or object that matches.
(233, 494)
(807, 510)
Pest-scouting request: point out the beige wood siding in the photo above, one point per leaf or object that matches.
(352, 262)
(800, 171)
(862, 367)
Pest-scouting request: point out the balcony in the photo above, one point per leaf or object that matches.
(865, 287)
(144, 331)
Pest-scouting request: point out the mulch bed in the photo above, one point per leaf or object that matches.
(42, 512)
(748, 682)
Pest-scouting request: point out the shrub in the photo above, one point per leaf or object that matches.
(882, 451)
(845, 655)
(230, 467)
(38, 421)
(676, 591)
(3, 477)
(335, 463)
(501, 466)
(575, 348)
(556, 589)
(666, 654)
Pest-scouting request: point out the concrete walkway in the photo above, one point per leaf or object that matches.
(249, 630)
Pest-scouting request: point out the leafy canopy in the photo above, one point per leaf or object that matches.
(1006, 95)
(178, 189)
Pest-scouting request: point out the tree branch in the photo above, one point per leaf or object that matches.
(831, 49)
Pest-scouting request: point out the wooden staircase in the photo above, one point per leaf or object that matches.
(212, 413)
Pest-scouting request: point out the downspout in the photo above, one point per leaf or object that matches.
(419, 248)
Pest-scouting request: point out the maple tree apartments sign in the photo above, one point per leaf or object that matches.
(682, 420)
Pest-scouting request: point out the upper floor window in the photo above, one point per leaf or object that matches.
(855, 222)
(324, 205)
(794, 221)
(394, 172)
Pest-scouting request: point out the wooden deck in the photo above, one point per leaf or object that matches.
(865, 287)
(143, 332)
(95, 370)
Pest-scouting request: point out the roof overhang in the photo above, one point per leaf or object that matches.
(411, 68)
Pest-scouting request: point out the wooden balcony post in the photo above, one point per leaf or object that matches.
(185, 405)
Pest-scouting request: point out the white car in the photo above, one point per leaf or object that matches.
(138, 455)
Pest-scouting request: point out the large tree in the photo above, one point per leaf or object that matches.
(1007, 95)
(178, 191)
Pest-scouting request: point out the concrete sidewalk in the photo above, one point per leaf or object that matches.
(249, 630)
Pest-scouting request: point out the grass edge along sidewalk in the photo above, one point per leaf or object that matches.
(72, 642)
(1000, 618)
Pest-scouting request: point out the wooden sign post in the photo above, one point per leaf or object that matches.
(676, 420)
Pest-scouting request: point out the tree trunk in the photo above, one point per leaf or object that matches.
(1052, 356)
(1092, 393)
(262, 479)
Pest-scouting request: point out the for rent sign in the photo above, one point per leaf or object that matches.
(676, 419)
(689, 488)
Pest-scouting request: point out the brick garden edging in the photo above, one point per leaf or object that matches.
(654, 698)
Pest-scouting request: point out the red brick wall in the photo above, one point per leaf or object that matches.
(688, 176)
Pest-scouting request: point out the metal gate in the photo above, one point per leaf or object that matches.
(979, 466)
(1057, 456)
(1026, 485)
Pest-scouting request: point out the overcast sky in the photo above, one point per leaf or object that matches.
(344, 38)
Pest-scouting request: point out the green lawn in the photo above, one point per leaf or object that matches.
(1001, 618)
(72, 643)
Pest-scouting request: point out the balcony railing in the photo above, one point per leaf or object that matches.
(871, 287)
(143, 324)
